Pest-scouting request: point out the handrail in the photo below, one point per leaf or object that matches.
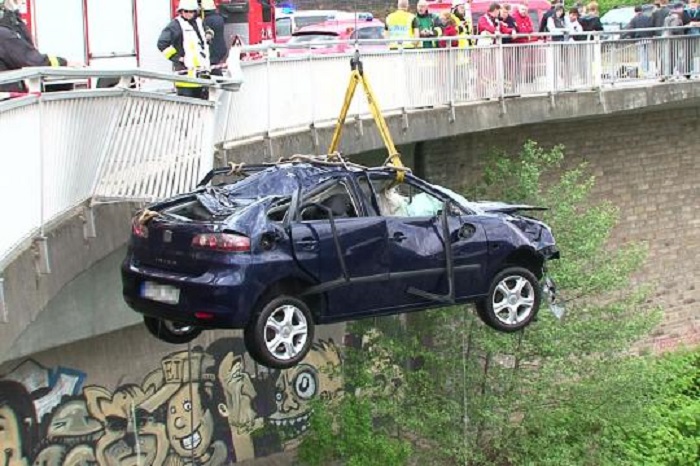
(8, 77)
(121, 144)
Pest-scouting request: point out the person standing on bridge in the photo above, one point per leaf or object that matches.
(214, 28)
(184, 43)
(16, 52)
(401, 27)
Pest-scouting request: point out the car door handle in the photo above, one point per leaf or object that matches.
(307, 243)
(398, 237)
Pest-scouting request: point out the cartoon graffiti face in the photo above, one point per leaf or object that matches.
(239, 393)
(296, 387)
(190, 424)
(71, 424)
(10, 439)
(132, 437)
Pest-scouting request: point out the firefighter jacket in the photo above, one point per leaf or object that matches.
(217, 47)
(464, 28)
(17, 53)
(400, 25)
(184, 43)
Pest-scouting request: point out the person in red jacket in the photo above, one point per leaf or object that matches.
(449, 30)
(491, 23)
(523, 25)
(528, 57)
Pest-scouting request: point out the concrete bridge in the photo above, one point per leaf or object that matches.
(77, 164)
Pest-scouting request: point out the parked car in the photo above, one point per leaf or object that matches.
(319, 38)
(617, 19)
(295, 245)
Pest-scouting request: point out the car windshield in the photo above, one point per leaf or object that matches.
(456, 197)
(313, 38)
(621, 15)
(302, 21)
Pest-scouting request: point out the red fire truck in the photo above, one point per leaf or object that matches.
(118, 34)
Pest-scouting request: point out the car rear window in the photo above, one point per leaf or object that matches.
(307, 38)
(302, 21)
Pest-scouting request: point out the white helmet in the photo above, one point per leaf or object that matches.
(188, 5)
(208, 5)
(456, 3)
(11, 5)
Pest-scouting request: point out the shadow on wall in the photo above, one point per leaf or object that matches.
(201, 407)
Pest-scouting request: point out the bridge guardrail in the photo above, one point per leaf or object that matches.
(63, 149)
(304, 90)
(123, 144)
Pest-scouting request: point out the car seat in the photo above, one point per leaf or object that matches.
(339, 204)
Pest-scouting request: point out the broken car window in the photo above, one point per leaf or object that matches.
(405, 199)
(336, 199)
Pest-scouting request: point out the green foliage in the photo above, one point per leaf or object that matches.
(347, 433)
(670, 433)
(607, 5)
(560, 392)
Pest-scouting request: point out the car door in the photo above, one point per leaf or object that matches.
(419, 233)
(347, 254)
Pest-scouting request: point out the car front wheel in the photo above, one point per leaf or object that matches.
(280, 335)
(513, 300)
(171, 332)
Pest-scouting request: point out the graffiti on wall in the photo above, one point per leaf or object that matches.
(200, 407)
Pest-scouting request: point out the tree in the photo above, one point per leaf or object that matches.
(551, 394)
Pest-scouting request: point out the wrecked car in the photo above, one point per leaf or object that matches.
(294, 245)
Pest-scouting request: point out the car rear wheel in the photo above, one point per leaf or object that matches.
(281, 334)
(171, 332)
(513, 301)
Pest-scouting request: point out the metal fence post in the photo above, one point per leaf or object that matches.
(597, 63)
(500, 70)
(4, 315)
(451, 71)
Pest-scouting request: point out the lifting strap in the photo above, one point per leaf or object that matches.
(357, 76)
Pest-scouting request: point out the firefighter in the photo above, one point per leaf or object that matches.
(214, 25)
(461, 15)
(401, 26)
(16, 52)
(184, 42)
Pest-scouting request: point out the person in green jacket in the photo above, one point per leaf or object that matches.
(428, 25)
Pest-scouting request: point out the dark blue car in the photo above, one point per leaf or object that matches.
(294, 245)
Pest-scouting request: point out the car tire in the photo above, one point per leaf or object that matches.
(281, 334)
(513, 300)
(171, 332)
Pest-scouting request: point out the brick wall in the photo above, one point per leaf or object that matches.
(648, 164)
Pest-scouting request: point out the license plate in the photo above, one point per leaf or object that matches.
(162, 293)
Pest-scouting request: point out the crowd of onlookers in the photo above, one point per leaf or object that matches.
(513, 23)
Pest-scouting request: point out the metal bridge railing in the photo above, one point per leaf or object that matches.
(292, 90)
(63, 149)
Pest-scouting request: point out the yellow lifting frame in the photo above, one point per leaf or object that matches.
(357, 76)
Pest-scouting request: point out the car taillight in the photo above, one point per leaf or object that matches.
(225, 242)
(139, 230)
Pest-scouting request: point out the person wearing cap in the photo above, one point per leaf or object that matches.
(214, 27)
(401, 26)
(16, 52)
(184, 43)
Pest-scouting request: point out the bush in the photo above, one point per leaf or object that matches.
(556, 393)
